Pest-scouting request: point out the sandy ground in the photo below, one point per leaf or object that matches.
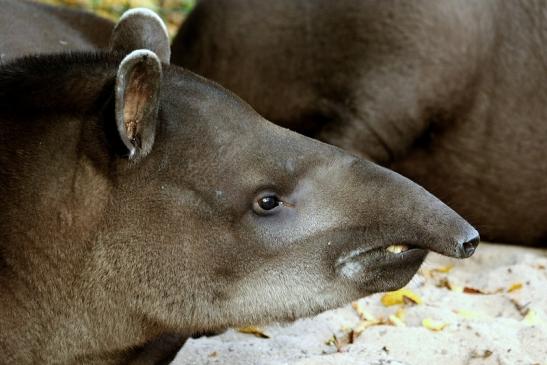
(493, 308)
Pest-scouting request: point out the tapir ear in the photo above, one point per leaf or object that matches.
(141, 28)
(137, 101)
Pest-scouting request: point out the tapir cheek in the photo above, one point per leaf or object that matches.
(273, 231)
(290, 226)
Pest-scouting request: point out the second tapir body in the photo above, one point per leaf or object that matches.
(139, 199)
(52, 29)
(450, 93)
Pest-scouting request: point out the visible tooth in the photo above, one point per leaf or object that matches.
(397, 248)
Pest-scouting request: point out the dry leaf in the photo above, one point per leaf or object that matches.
(476, 354)
(363, 325)
(409, 300)
(522, 308)
(401, 296)
(469, 290)
(445, 283)
(362, 312)
(432, 325)
(331, 341)
(352, 336)
(514, 287)
(336, 342)
(396, 321)
(252, 330)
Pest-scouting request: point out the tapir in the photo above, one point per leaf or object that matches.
(450, 93)
(54, 29)
(139, 199)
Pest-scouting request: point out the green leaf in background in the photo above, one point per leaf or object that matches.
(172, 11)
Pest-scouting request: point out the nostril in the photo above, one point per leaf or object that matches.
(469, 247)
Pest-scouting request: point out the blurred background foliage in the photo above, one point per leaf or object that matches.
(172, 11)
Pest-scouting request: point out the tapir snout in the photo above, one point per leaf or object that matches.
(400, 222)
(374, 226)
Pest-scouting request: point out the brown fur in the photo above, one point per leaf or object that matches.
(106, 245)
(49, 29)
(450, 93)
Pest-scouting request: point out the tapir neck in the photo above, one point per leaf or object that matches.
(55, 196)
(61, 321)
(56, 184)
(52, 303)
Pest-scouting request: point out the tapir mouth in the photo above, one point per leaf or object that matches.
(396, 249)
(380, 268)
(462, 250)
(393, 251)
(389, 266)
(371, 261)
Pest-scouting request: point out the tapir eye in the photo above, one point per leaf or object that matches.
(266, 204)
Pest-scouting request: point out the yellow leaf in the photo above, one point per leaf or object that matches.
(514, 287)
(430, 273)
(401, 296)
(465, 313)
(396, 321)
(443, 269)
(252, 330)
(401, 314)
(363, 325)
(362, 312)
(432, 325)
(345, 328)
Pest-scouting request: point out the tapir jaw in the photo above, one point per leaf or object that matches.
(378, 269)
(385, 267)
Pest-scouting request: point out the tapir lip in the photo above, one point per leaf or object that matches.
(365, 250)
(364, 254)
(380, 247)
(345, 244)
(376, 269)
(373, 268)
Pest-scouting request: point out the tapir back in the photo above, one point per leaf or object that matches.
(450, 94)
(48, 29)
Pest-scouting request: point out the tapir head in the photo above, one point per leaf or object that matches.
(196, 213)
